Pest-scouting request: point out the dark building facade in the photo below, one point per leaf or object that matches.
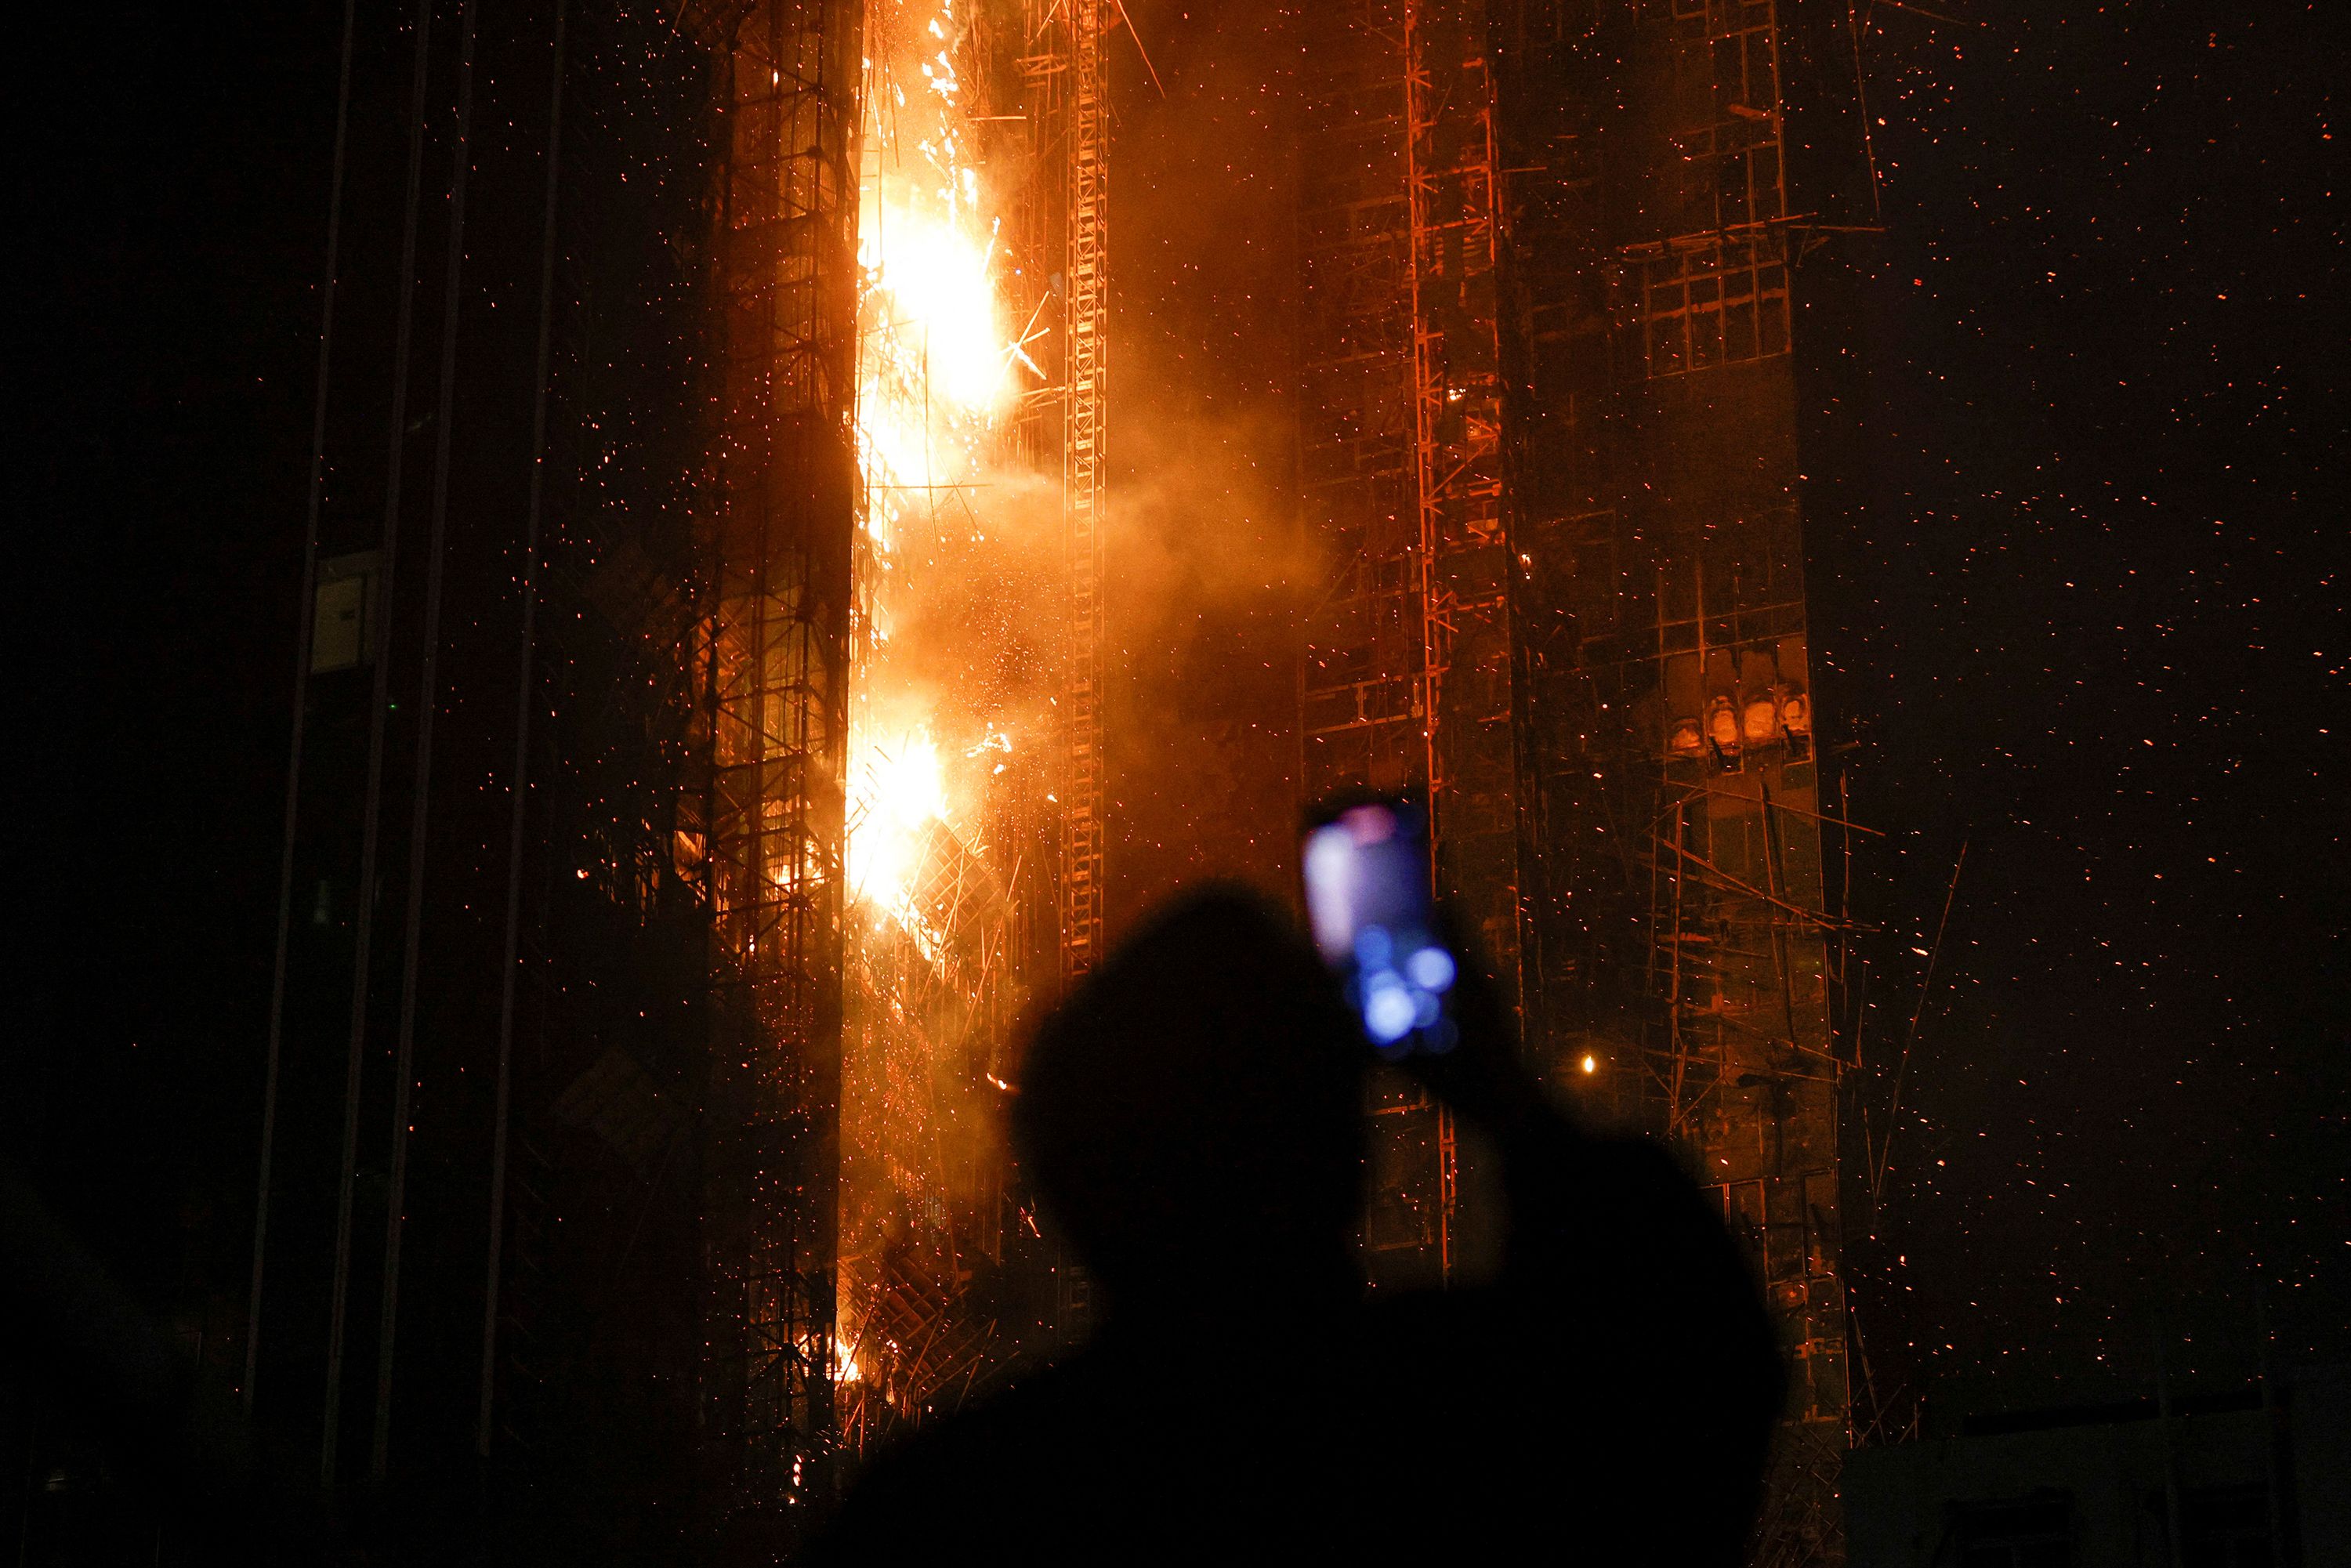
(2198, 1477)
(479, 1277)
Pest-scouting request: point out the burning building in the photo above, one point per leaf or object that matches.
(904, 818)
(803, 801)
(797, 785)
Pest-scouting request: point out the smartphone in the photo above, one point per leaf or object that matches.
(1367, 901)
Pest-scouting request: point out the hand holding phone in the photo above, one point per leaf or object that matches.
(1367, 899)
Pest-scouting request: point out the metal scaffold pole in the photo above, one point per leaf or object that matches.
(302, 661)
(1463, 533)
(379, 708)
(518, 807)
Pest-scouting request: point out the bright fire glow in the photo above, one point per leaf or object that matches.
(936, 379)
(934, 270)
(898, 787)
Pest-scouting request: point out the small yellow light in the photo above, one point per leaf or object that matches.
(1590, 1065)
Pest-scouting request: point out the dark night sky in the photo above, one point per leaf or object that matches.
(2077, 564)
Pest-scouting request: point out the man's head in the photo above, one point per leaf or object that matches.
(1197, 1102)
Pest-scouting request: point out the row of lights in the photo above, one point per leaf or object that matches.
(1767, 718)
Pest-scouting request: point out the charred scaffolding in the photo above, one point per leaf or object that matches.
(1548, 442)
(776, 656)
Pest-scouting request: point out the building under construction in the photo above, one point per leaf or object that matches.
(673, 1064)
(765, 625)
(1549, 415)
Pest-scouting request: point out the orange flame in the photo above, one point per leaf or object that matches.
(935, 380)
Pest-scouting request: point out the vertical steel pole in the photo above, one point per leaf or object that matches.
(307, 629)
(508, 974)
(380, 699)
(428, 702)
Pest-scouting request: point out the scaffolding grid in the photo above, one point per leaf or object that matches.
(1548, 444)
(775, 660)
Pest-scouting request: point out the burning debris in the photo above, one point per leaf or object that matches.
(958, 635)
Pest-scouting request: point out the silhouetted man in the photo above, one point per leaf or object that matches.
(1194, 1116)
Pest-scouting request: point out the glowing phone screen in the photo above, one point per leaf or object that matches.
(1368, 901)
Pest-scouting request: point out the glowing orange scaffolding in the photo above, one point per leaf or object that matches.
(1548, 446)
(1086, 312)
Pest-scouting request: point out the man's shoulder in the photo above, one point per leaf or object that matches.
(985, 1434)
(945, 1482)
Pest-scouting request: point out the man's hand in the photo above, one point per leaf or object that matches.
(1482, 1077)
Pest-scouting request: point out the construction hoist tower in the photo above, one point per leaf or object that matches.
(1084, 315)
(1548, 444)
